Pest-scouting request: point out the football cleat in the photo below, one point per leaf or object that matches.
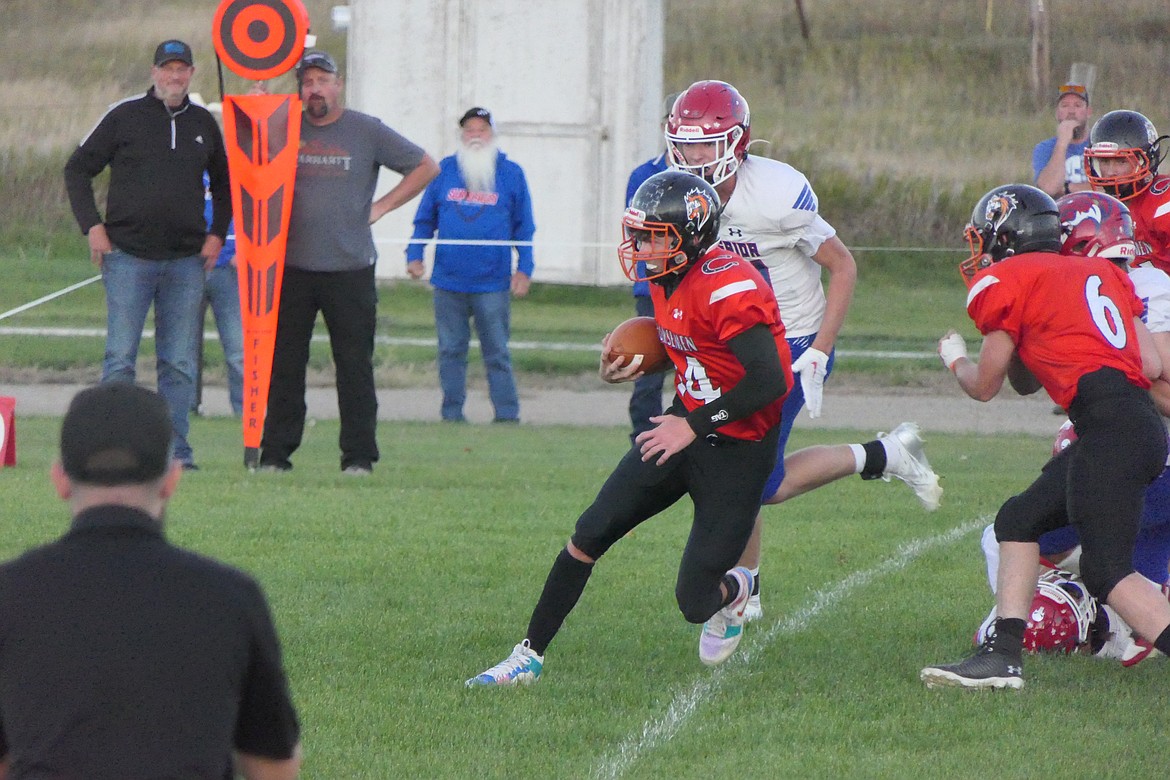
(1137, 651)
(906, 460)
(721, 634)
(985, 669)
(754, 609)
(523, 666)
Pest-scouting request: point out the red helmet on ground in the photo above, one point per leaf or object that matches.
(1093, 224)
(1062, 613)
(709, 112)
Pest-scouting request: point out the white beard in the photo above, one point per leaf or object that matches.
(478, 166)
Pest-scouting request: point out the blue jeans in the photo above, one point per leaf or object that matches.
(175, 288)
(493, 324)
(223, 295)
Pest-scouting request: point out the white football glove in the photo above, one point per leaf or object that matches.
(951, 347)
(812, 366)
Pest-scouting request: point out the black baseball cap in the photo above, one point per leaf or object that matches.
(476, 113)
(116, 434)
(173, 50)
(315, 58)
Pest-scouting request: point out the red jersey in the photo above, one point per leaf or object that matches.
(721, 297)
(1151, 223)
(1068, 316)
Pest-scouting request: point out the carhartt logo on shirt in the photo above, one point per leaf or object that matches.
(198, 139)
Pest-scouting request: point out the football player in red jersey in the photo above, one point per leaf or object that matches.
(721, 326)
(1122, 160)
(1073, 326)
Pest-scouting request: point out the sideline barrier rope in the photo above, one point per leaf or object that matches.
(49, 297)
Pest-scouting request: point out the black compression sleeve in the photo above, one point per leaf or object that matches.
(763, 382)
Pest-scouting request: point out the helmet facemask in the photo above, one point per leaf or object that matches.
(725, 161)
(1123, 186)
(649, 250)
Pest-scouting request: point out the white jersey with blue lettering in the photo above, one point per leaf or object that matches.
(771, 220)
(1153, 287)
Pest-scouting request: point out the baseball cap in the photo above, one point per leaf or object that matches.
(316, 59)
(1080, 90)
(173, 50)
(116, 434)
(476, 113)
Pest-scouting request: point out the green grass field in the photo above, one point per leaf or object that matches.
(390, 591)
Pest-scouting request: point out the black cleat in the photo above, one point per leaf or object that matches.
(985, 669)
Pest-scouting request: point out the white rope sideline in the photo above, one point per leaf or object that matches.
(661, 730)
(400, 241)
(49, 297)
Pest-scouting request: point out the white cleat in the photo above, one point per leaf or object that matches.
(754, 610)
(522, 667)
(907, 461)
(722, 632)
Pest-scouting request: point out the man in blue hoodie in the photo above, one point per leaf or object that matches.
(479, 196)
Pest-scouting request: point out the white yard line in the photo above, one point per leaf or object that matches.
(686, 703)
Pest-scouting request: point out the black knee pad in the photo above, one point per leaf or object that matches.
(1013, 523)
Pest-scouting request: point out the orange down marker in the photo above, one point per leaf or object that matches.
(258, 40)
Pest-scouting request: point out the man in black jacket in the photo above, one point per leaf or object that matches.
(122, 655)
(154, 243)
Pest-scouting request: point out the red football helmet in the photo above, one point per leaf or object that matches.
(1093, 224)
(709, 112)
(1061, 615)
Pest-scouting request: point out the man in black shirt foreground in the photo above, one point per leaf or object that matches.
(121, 655)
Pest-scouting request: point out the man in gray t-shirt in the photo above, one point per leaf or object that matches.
(329, 264)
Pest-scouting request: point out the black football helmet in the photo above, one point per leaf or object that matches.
(1128, 136)
(672, 220)
(1010, 220)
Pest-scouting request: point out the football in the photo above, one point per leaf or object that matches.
(639, 336)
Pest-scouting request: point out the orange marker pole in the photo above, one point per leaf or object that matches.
(259, 40)
(261, 133)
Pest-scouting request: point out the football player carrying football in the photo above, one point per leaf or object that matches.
(1073, 326)
(719, 321)
(771, 217)
(1064, 617)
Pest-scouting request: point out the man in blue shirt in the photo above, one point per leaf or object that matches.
(1057, 164)
(479, 196)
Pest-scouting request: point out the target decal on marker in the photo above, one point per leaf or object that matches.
(260, 39)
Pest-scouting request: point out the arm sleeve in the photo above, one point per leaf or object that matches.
(426, 220)
(523, 227)
(267, 723)
(87, 161)
(762, 383)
